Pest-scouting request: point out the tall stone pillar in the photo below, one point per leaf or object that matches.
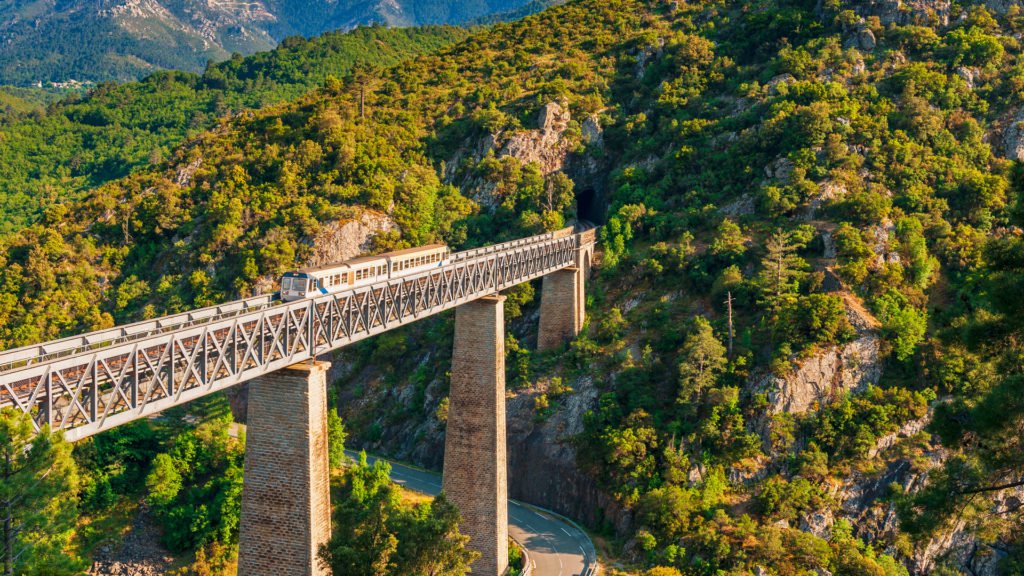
(561, 308)
(475, 474)
(286, 507)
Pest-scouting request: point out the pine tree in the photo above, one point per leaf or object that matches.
(702, 360)
(780, 269)
(38, 491)
(363, 77)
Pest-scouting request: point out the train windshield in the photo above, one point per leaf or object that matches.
(293, 284)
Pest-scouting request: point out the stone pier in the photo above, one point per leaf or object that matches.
(475, 475)
(286, 511)
(561, 308)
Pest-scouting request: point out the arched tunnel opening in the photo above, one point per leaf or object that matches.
(588, 206)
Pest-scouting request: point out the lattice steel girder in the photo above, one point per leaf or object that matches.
(104, 385)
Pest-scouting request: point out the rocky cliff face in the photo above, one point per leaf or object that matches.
(906, 12)
(551, 146)
(542, 467)
(345, 239)
(829, 373)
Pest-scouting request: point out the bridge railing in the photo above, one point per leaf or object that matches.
(83, 343)
(102, 386)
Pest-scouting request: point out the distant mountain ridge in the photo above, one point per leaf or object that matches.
(59, 40)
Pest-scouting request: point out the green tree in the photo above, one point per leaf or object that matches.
(781, 268)
(376, 535)
(38, 486)
(335, 438)
(702, 360)
(904, 324)
(729, 242)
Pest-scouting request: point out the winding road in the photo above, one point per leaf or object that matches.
(556, 547)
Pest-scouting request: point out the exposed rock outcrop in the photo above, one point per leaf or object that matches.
(542, 467)
(882, 233)
(780, 169)
(1013, 138)
(825, 376)
(829, 373)
(1001, 6)
(780, 80)
(344, 239)
(862, 39)
(904, 12)
(553, 147)
(741, 206)
(647, 54)
(968, 75)
(545, 146)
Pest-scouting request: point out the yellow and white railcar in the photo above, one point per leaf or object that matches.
(315, 281)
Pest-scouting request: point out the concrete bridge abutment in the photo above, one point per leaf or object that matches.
(475, 474)
(286, 510)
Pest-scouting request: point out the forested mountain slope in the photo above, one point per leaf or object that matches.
(845, 175)
(81, 142)
(42, 41)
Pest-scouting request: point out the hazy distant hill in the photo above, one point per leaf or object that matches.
(58, 40)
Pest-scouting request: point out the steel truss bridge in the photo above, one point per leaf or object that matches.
(94, 382)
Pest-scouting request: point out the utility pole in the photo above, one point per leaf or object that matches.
(728, 303)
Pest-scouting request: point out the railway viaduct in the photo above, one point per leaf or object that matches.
(86, 384)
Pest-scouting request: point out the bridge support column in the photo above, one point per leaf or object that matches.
(475, 474)
(286, 509)
(561, 308)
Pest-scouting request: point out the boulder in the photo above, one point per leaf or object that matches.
(862, 39)
(592, 132)
(968, 75)
(780, 169)
(1013, 138)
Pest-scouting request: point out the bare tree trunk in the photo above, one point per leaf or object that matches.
(728, 302)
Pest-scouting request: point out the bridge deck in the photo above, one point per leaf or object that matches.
(93, 382)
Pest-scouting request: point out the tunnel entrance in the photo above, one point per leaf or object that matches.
(588, 207)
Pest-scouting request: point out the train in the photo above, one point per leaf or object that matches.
(319, 280)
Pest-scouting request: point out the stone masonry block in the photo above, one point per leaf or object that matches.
(475, 473)
(286, 508)
(561, 308)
